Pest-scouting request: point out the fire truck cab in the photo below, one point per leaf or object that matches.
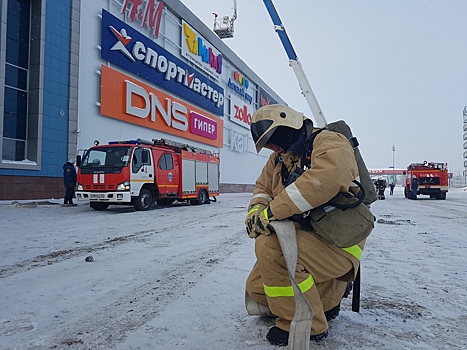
(139, 173)
(432, 180)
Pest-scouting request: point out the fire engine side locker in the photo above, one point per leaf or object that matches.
(213, 178)
(199, 173)
(188, 176)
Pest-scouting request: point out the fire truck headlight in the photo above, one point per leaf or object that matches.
(124, 186)
(80, 187)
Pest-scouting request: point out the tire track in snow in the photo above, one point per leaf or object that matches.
(65, 254)
(108, 326)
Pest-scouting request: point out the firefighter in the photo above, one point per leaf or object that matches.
(323, 271)
(69, 180)
(381, 185)
(414, 187)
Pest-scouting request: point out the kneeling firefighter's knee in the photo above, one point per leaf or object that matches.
(267, 247)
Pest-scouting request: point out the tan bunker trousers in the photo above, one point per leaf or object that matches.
(322, 273)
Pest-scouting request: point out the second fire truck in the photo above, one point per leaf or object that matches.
(139, 173)
(432, 180)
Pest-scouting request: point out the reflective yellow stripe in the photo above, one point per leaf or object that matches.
(355, 250)
(255, 208)
(274, 292)
(265, 213)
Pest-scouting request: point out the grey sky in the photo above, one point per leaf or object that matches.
(396, 70)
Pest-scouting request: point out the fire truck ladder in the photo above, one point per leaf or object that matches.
(296, 65)
(181, 146)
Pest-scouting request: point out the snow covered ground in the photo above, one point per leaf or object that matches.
(173, 278)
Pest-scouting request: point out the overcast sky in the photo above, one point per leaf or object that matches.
(396, 70)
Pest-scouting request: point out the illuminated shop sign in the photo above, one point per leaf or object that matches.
(132, 101)
(200, 51)
(240, 85)
(127, 48)
(240, 113)
(264, 99)
(148, 14)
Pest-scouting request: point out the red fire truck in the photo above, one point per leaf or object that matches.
(139, 172)
(432, 180)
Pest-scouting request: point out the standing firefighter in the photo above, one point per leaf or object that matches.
(414, 187)
(323, 270)
(381, 185)
(69, 180)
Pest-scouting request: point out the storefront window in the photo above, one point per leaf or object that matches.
(15, 113)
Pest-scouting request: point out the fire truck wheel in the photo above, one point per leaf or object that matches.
(98, 206)
(441, 196)
(144, 200)
(203, 198)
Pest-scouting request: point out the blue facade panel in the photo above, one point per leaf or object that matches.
(56, 92)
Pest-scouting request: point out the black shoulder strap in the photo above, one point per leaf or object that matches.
(278, 159)
(308, 149)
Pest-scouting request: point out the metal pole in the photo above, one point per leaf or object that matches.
(464, 113)
(393, 154)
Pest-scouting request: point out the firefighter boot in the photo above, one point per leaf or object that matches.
(334, 312)
(277, 336)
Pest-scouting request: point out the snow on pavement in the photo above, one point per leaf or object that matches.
(173, 278)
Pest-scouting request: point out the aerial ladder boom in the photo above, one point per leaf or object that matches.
(296, 66)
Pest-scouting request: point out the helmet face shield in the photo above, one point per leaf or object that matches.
(260, 132)
(266, 120)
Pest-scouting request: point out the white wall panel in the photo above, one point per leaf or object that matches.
(239, 162)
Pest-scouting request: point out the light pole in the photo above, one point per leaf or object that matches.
(464, 112)
(393, 168)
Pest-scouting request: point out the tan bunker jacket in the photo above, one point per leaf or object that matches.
(333, 168)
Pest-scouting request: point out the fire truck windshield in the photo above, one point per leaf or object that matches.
(115, 157)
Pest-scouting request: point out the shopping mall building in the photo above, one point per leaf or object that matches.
(72, 72)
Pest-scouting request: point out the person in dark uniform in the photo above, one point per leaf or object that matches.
(391, 186)
(414, 187)
(69, 180)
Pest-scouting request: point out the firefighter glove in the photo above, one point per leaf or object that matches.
(262, 224)
(251, 219)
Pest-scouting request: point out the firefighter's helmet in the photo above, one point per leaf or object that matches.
(267, 119)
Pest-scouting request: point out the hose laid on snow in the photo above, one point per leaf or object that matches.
(300, 327)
